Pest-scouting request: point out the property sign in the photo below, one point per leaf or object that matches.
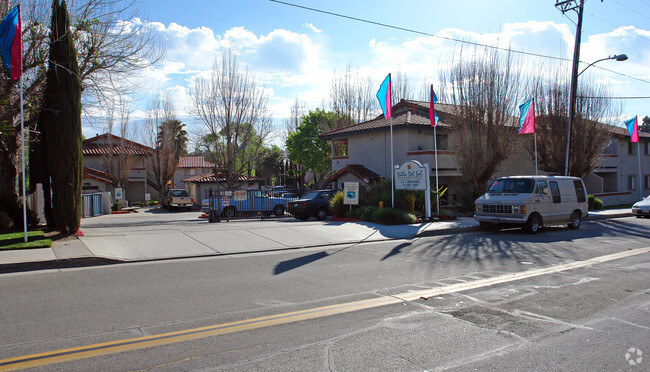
(241, 195)
(411, 175)
(118, 193)
(351, 193)
(225, 201)
(147, 196)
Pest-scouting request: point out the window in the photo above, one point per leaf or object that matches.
(647, 182)
(647, 147)
(512, 186)
(442, 142)
(555, 191)
(631, 148)
(580, 191)
(611, 148)
(340, 147)
(631, 182)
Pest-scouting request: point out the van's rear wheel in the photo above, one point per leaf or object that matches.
(576, 220)
(533, 224)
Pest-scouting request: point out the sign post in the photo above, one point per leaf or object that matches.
(412, 175)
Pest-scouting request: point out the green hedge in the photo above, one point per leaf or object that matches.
(595, 203)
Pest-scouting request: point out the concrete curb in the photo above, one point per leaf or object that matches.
(57, 264)
(80, 262)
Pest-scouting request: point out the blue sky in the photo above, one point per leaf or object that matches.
(295, 52)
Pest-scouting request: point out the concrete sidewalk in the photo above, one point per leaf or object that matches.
(152, 235)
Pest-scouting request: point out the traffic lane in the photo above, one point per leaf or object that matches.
(84, 306)
(459, 331)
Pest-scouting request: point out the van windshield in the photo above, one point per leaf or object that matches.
(512, 186)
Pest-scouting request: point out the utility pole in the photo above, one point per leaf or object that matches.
(564, 7)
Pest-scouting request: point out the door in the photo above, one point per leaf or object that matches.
(543, 201)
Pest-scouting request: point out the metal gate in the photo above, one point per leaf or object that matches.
(91, 205)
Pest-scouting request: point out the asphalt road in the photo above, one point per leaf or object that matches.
(348, 307)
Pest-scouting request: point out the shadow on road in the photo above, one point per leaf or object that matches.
(288, 265)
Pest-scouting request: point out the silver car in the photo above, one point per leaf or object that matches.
(642, 208)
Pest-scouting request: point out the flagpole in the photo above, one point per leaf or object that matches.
(638, 152)
(22, 136)
(392, 165)
(537, 174)
(435, 150)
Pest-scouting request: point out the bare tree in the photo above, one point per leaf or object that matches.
(291, 123)
(119, 158)
(235, 113)
(485, 90)
(113, 45)
(168, 138)
(352, 96)
(401, 88)
(588, 137)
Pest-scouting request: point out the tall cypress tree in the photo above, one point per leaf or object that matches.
(61, 123)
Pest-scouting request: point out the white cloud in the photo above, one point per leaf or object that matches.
(312, 27)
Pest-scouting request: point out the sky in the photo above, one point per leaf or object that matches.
(295, 53)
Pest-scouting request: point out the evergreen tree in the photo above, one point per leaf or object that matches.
(61, 121)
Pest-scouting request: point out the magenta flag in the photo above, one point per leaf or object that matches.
(527, 117)
(11, 43)
(383, 96)
(433, 115)
(633, 127)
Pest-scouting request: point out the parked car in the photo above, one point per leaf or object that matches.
(532, 202)
(177, 198)
(642, 208)
(312, 204)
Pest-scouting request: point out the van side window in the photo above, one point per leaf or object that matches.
(541, 185)
(555, 191)
(580, 191)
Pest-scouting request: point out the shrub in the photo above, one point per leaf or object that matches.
(14, 209)
(387, 216)
(365, 213)
(6, 222)
(153, 202)
(595, 203)
(338, 208)
(115, 207)
(467, 197)
(378, 191)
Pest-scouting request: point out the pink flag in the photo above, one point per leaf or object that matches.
(11, 43)
(527, 117)
(633, 127)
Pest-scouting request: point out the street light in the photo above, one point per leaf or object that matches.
(572, 98)
(618, 57)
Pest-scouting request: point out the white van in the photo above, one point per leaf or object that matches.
(532, 202)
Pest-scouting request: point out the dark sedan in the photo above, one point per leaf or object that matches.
(312, 204)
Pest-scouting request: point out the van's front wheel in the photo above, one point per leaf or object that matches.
(576, 220)
(533, 224)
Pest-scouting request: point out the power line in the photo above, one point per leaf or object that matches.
(418, 32)
(445, 37)
(630, 9)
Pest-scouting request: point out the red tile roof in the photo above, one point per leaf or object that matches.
(97, 175)
(358, 170)
(99, 145)
(405, 113)
(194, 161)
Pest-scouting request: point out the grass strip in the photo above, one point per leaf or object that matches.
(16, 240)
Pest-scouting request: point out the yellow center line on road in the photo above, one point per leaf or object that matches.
(118, 346)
